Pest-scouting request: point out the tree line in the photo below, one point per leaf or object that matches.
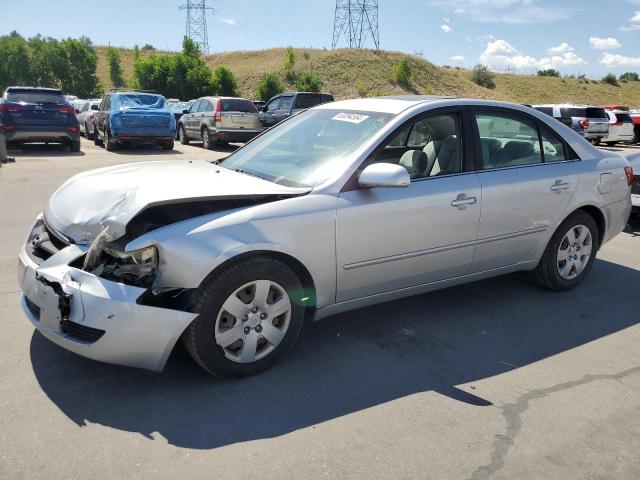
(69, 64)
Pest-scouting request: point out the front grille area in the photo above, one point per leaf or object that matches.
(82, 333)
(33, 308)
(44, 242)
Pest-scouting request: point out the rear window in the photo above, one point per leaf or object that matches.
(597, 113)
(141, 100)
(308, 101)
(624, 118)
(235, 105)
(35, 96)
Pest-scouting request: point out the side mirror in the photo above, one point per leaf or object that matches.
(77, 111)
(264, 109)
(384, 175)
(95, 107)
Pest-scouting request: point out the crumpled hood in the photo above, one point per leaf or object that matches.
(110, 197)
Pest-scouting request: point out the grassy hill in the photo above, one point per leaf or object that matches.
(351, 73)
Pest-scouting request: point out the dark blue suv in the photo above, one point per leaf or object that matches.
(134, 118)
(30, 114)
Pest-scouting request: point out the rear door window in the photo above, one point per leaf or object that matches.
(508, 141)
(552, 146)
(273, 105)
(308, 100)
(35, 96)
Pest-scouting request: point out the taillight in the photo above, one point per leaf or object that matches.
(72, 129)
(584, 124)
(628, 171)
(67, 110)
(91, 116)
(10, 108)
(217, 117)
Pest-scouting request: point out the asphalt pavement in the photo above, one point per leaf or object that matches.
(497, 379)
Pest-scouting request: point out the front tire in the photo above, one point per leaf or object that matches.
(251, 314)
(87, 133)
(570, 254)
(96, 138)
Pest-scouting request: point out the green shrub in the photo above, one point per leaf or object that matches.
(115, 67)
(629, 77)
(309, 82)
(361, 88)
(550, 72)
(402, 72)
(224, 82)
(483, 77)
(610, 79)
(268, 86)
(289, 64)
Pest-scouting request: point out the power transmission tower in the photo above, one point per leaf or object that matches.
(197, 23)
(356, 20)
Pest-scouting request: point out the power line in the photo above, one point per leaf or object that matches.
(196, 28)
(356, 20)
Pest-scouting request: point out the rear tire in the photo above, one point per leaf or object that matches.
(182, 136)
(109, 145)
(240, 282)
(168, 145)
(207, 142)
(75, 145)
(96, 138)
(548, 273)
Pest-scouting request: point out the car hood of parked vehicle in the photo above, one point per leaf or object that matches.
(132, 199)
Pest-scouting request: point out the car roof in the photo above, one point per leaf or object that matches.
(565, 105)
(26, 87)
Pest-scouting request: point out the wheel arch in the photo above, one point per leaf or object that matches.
(296, 265)
(598, 217)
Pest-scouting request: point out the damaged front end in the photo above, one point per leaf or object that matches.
(137, 268)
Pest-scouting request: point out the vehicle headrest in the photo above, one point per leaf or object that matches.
(415, 161)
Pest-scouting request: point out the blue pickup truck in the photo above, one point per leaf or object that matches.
(134, 118)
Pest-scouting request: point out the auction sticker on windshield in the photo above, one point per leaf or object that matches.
(350, 117)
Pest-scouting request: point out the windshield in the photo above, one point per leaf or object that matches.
(132, 100)
(305, 150)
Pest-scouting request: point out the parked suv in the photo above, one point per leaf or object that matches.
(589, 121)
(287, 104)
(216, 120)
(29, 114)
(620, 127)
(134, 118)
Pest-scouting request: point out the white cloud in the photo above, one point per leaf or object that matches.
(505, 11)
(501, 54)
(608, 43)
(458, 58)
(228, 20)
(615, 60)
(635, 21)
(564, 47)
(446, 26)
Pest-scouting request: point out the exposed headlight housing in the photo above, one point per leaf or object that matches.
(137, 268)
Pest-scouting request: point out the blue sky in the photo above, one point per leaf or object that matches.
(573, 36)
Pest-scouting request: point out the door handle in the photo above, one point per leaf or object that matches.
(463, 201)
(559, 186)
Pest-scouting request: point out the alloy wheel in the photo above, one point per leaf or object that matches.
(253, 321)
(574, 252)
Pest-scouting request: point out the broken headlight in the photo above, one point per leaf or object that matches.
(137, 268)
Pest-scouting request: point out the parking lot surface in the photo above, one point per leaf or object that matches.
(497, 379)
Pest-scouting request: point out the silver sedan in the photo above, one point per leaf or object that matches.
(345, 205)
(86, 116)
